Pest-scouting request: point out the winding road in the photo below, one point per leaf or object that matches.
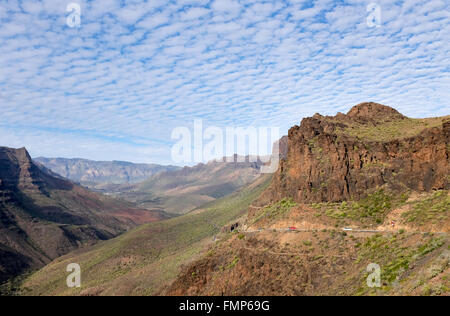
(349, 230)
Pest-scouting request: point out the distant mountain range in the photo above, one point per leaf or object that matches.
(170, 189)
(98, 174)
(181, 191)
(43, 216)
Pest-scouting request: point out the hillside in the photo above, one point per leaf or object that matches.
(308, 250)
(147, 259)
(100, 175)
(181, 191)
(367, 187)
(43, 216)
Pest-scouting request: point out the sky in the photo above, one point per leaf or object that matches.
(115, 83)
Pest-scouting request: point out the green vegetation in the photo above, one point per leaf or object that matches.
(370, 210)
(13, 286)
(143, 261)
(394, 257)
(275, 210)
(435, 208)
(232, 263)
(387, 131)
(374, 208)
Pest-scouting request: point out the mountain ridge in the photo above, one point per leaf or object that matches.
(43, 216)
(95, 174)
(341, 157)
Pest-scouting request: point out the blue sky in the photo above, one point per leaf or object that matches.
(115, 88)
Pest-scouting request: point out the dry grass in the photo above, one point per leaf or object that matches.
(387, 131)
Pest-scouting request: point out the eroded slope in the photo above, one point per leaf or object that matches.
(43, 216)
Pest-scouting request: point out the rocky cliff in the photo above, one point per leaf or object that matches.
(345, 156)
(43, 216)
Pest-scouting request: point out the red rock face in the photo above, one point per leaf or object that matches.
(323, 164)
(373, 112)
(43, 216)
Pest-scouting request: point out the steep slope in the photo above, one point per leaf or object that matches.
(367, 187)
(43, 216)
(102, 174)
(181, 191)
(331, 159)
(324, 262)
(145, 260)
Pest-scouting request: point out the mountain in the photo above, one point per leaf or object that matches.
(331, 159)
(43, 216)
(100, 174)
(167, 189)
(146, 260)
(181, 191)
(354, 192)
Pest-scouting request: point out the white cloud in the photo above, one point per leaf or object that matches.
(133, 71)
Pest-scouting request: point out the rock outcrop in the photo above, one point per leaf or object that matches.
(43, 216)
(343, 157)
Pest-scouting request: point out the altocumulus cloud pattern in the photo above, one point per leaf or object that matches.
(116, 86)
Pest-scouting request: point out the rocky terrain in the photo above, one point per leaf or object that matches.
(43, 216)
(368, 187)
(339, 158)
